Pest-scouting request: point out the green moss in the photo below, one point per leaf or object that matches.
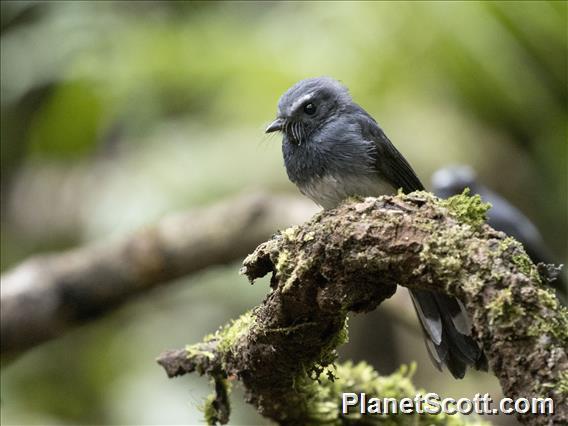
(548, 299)
(288, 266)
(442, 251)
(521, 260)
(195, 351)
(282, 262)
(340, 338)
(473, 284)
(507, 311)
(507, 243)
(504, 309)
(556, 326)
(562, 384)
(320, 390)
(209, 411)
(216, 408)
(323, 399)
(452, 263)
(289, 234)
(468, 209)
(302, 264)
(328, 354)
(229, 334)
(309, 236)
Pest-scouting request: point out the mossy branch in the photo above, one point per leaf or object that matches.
(351, 259)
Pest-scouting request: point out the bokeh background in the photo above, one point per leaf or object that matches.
(117, 113)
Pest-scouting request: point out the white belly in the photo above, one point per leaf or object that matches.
(329, 191)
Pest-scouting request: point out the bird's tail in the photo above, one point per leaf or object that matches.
(447, 332)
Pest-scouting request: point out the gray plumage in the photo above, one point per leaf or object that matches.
(334, 149)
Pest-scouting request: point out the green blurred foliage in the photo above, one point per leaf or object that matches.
(57, 133)
(115, 113)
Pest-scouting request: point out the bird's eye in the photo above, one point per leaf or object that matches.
(310, 109)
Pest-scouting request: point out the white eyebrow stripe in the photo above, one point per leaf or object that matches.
(300, 101)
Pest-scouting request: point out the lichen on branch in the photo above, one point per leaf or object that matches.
(352, 258)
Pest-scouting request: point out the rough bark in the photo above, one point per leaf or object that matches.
(46, 295)
(351, 259)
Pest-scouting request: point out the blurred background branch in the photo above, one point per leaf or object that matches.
(45, 296)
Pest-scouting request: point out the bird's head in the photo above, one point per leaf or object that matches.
(307, 106)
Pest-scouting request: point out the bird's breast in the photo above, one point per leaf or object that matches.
(330, 168)
(330, 190)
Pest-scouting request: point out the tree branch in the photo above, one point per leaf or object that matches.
(351, 259)
(46, 295)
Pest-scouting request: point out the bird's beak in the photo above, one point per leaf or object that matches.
(275, 126)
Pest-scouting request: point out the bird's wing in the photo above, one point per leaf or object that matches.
(389, 162)
(446, 327)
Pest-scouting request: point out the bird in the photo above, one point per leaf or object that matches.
(502, 216)
(333, 149)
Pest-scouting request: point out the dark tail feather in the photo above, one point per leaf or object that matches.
(428, 314)
(447, 331)
(434, 354)
(465, 348)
